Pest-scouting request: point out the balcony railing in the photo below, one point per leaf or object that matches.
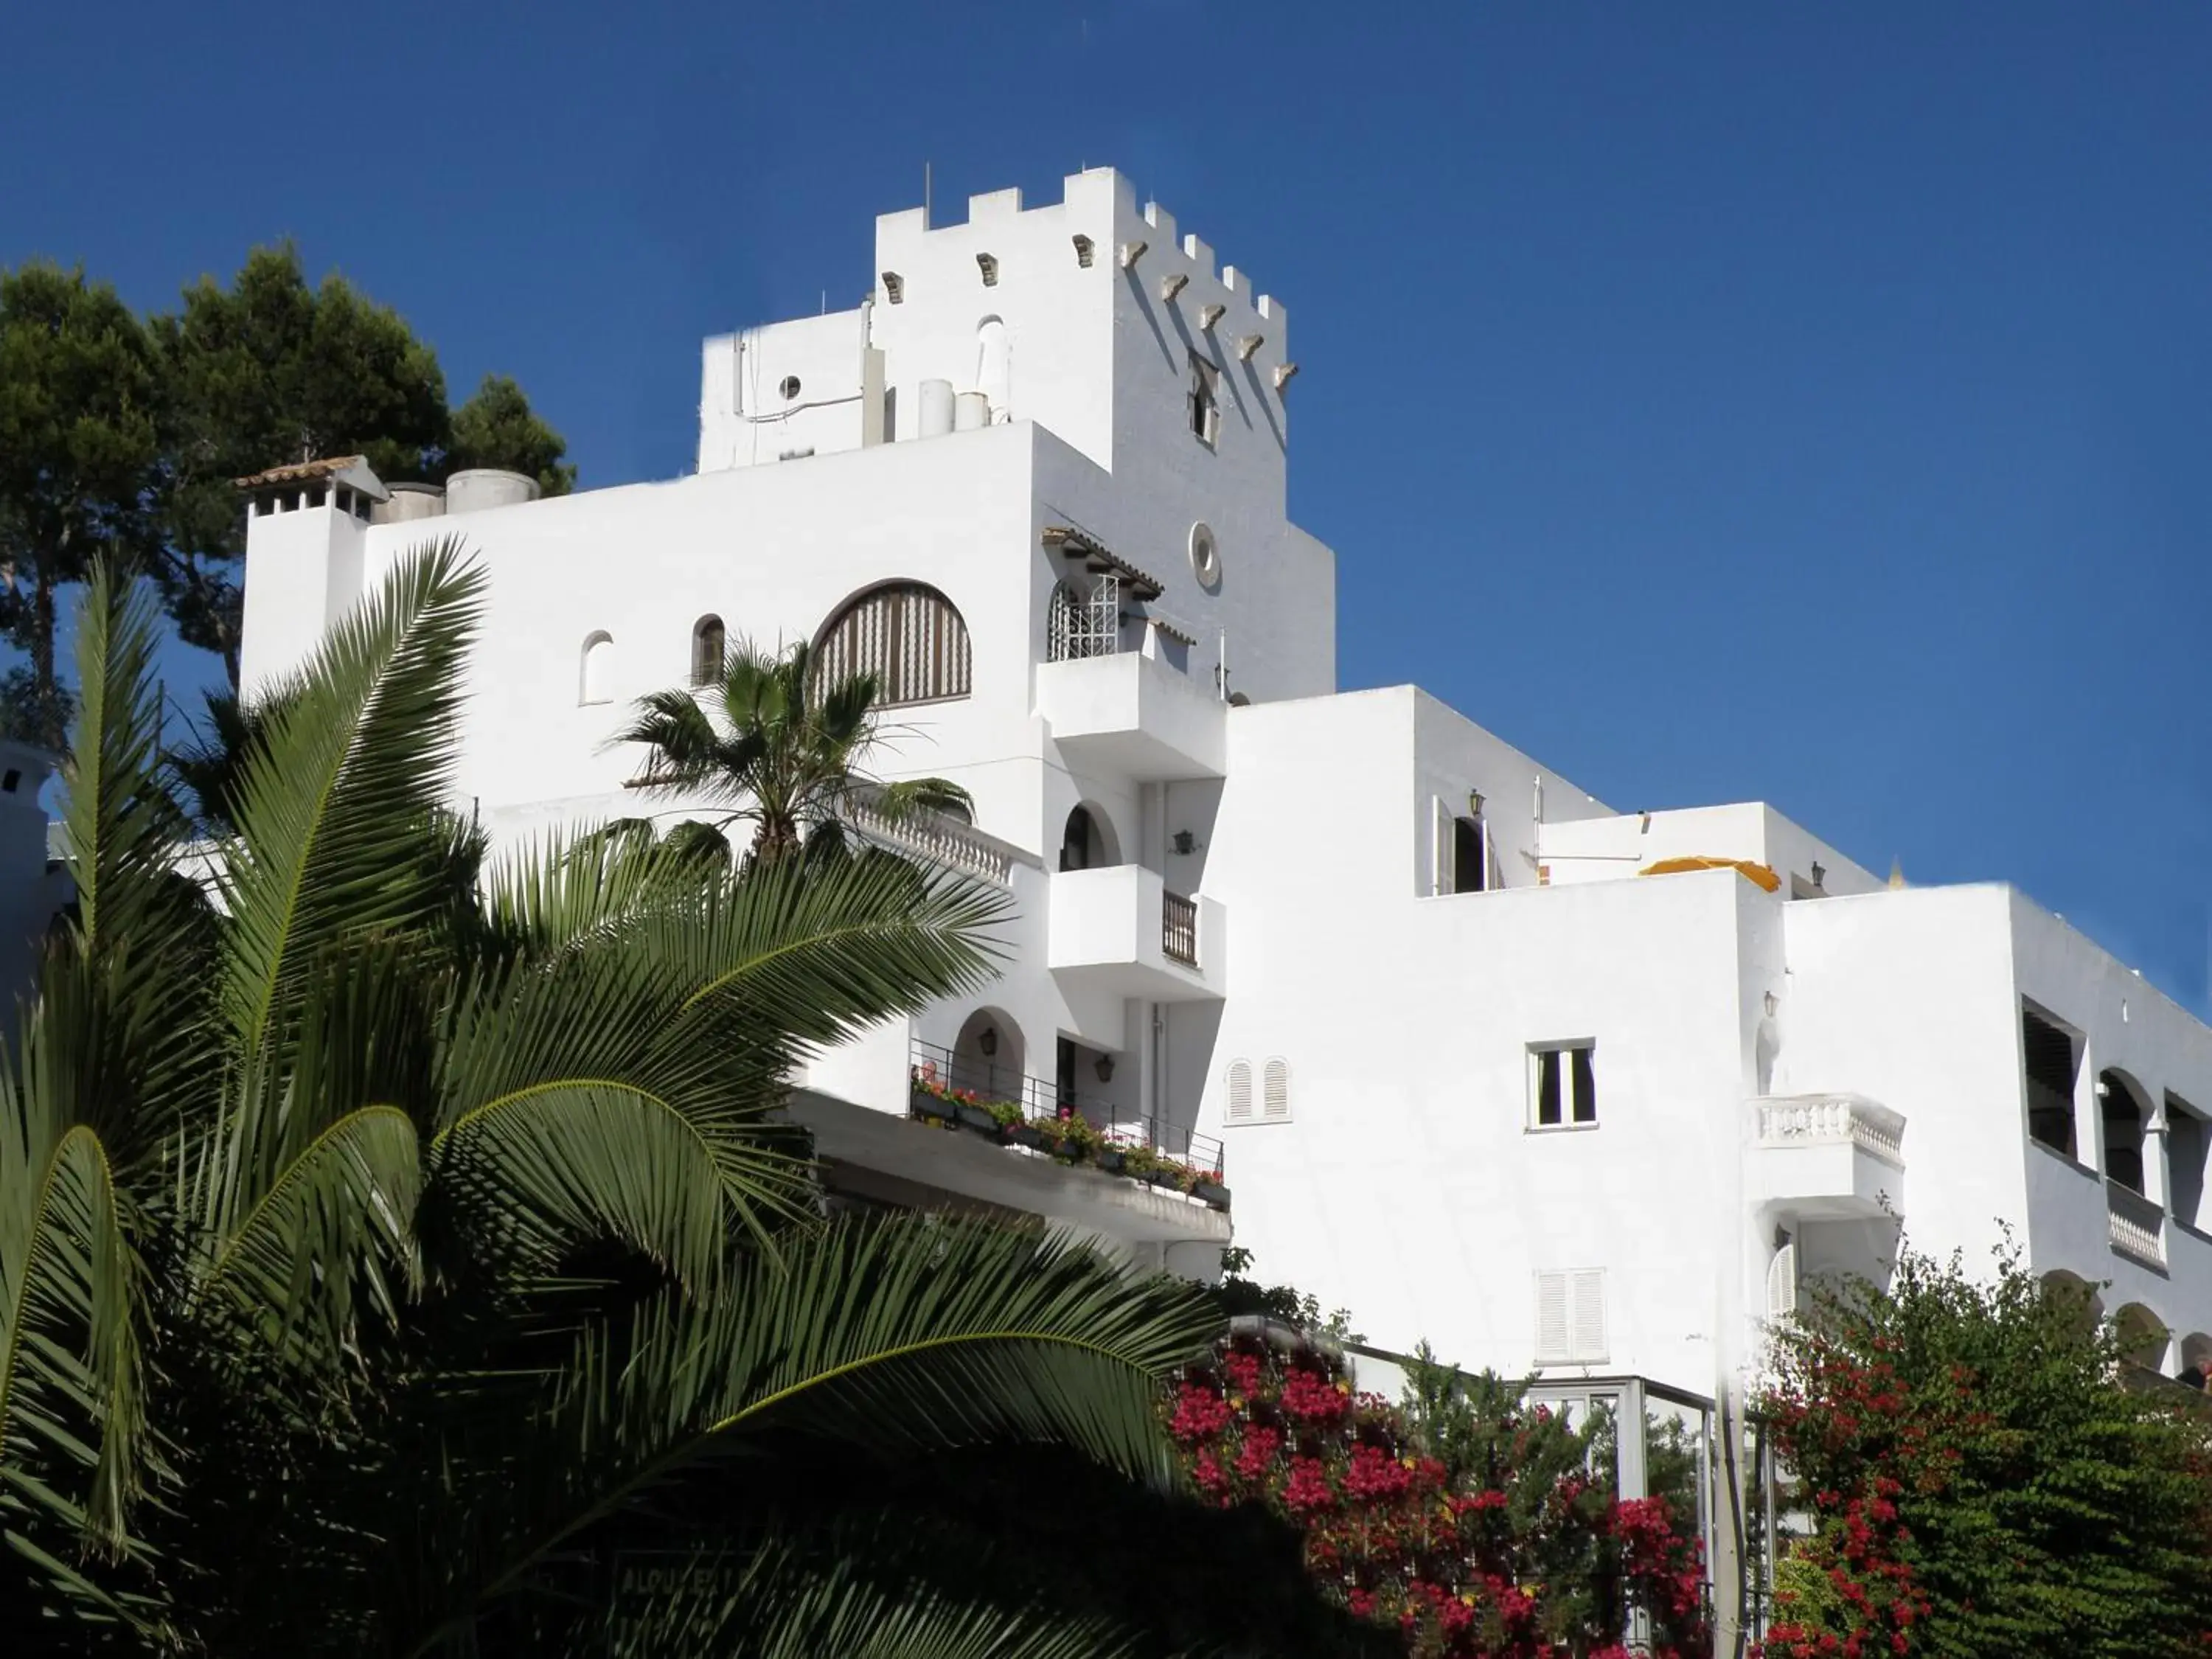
(2138, 1224)
(1833, 1120)
(1178, 928)
(934, 836)
(1119, 1126)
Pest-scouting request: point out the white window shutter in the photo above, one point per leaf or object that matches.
(1275, 1092)
(1240, 1091)
(1554, 1327)
(1440, 847)
(1587, 1292)
(1782, 1283)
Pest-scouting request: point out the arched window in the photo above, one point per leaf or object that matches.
(594, 673)
(707, 642)
(907, 635)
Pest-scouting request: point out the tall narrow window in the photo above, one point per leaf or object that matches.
(595, 671)
(1563, 1086)
(708, 641)
(1275, 1091)
(1240, 1091)
(2051, 1060)
(907, 635)
(1205, 401)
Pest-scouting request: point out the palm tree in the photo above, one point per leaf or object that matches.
(780, 748)
(380, 1273)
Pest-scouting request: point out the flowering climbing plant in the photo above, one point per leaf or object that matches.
(1467, 1519)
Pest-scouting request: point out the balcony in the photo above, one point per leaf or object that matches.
(1134, 715)
(2135, 1225)
(1826, 1157)
(1034, 1118)
(1121, 932)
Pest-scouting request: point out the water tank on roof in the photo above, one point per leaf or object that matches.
(481, 487)
(936, 408)
(410, 501)
(970, 409)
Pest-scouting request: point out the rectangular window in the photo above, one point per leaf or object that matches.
(2052, 1059)
(1204, 399)
(1470, 866)
(1563, 1084)
(1571, 1318)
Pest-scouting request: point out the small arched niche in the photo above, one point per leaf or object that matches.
(2077, 1296)
(709, 644)
(594, 672)
(1088, 842)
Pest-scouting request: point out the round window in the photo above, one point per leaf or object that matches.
(1205, 557)
(790, 387)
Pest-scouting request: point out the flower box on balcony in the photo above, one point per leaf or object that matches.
(978, 1118)
(1211, 1194)
(932, 1108)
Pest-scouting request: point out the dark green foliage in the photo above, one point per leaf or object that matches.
(1986, 1482)
(272, 370)
(78, 395)
(498, 427)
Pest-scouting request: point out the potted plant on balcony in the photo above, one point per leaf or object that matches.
(933, 1099)
(1075, 1139)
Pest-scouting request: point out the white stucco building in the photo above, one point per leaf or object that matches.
(1478, 1064)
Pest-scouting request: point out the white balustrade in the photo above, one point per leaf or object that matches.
(1831, 1120)
(2138, 1224)
(933, 836)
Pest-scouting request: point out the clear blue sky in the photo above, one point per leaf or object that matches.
(1762, 401)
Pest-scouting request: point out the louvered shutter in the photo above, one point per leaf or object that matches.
(1275, 1092)
(1240, 1091)
(1553, 1326)
(1587, 1291)
(1782, 1283)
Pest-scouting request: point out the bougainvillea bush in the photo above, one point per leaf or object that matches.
(1982, 1481)
(1468, 1519)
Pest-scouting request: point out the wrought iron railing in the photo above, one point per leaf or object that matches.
(1040, 1099)
(1178, 928)
(1085, 624)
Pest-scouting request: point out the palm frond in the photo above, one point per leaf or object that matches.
(337, 801)
(121, 830)
(897, 1335)
(74, 1446)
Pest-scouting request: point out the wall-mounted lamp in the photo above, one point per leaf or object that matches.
(1104, 1068)
(1184, 842)
(988, 1042)
(1819, 874)
(1174, 284)
(1083, 251)
(989, 265)
(1474, 802)
(1130, 253)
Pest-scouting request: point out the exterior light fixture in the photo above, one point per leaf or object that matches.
(1173, 283)
(1130, 253)
(1248, 344)
(1104, 1068)
(894, 286)
(989, 265)
(1184, 842)
(1083, 251)
(1474, 802)
(1209, 315)
(988, 1042)
(1819, 874)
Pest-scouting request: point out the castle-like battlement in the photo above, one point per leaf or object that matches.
(1096, 220)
